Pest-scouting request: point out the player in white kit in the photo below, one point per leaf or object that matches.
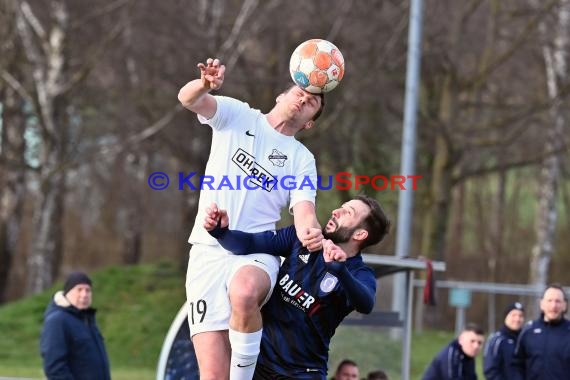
(256, 167)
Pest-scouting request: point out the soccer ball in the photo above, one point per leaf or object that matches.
(317, 66)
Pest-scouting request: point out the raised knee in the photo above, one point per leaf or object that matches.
(247, 295)
(245, 298)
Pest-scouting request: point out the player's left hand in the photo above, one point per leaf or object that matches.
(214, 215)
(332, 252)
(312, 239)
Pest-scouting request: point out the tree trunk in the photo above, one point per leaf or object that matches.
(132, 237)
(46, 52)
(555, 58)
(436, 220)
(498, 227)
(132, 209)
(12, 182)
(133, 164)
(45, 258)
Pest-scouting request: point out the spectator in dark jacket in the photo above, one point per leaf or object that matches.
(457, 360)
(498, 354)
(71, 345)
(543, 348)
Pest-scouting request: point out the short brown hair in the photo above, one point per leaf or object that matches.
(473, 327)
(556, 286)
(376, 222)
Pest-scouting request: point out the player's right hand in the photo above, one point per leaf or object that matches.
(212, 73)
(214, 216)
(332, 252)
(312, 239)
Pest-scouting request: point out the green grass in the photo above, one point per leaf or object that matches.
(373, 348)
(36, 372)
(136, 306)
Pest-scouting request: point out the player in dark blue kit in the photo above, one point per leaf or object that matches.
(499, 350)
(543, 347)
(314, 291)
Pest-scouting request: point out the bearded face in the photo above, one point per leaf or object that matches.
(338, 234)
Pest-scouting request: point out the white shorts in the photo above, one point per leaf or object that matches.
(210, 272)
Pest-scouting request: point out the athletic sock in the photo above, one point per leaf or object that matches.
(245, 349)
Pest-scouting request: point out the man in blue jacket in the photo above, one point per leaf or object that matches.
(71, 344)
(543, 348)
(457, 360)
(499, 350)
(314, 291)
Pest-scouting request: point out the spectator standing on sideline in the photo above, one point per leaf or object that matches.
(71, 344)
(500, 347)
(543, 347)
(225, 292)
(457, 360)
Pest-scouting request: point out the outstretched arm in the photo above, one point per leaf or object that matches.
(360, 291)
(279, 243)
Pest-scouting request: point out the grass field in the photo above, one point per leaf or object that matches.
(135, 308)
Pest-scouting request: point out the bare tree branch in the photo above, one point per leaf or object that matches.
(109, 8)
(154, 128)
(36, 26)
(255, 28)
(78, 76)
(148, 132)
(246, 10)
(508, 165)
(35, 57)
(515, 47)
(23, 26)
(346, 6)
(18, 87)
(397, 33)
(32, 20)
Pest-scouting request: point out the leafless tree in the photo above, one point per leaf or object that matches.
(47, 52)
(12, 146)
(555, 51)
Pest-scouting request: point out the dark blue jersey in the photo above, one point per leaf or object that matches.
(309, 301)
(542, 351)
(498, 355)
(451, 364)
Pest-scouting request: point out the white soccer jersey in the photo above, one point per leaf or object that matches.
(281, 171)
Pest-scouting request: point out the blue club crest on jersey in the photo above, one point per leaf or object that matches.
(328, 282)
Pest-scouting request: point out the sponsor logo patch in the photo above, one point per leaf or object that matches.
(258, 175)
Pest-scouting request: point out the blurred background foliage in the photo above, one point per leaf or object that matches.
(88, 97)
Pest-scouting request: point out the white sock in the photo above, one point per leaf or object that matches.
(245, 349)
